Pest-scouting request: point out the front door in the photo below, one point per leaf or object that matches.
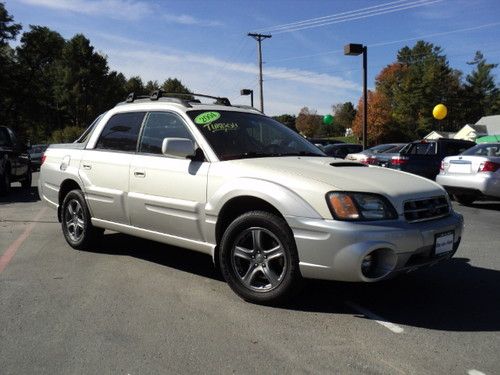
(166, 194)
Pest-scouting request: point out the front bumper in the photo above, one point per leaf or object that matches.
(484, 183)
(334, 250)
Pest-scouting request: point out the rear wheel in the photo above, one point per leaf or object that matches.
(465, 199)
(258, 258)
(76, 225)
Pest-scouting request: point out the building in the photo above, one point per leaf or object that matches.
(487, 125)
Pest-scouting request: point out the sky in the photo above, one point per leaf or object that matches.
(205, 43)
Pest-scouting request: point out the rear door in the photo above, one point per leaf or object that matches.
(167, 194)
(422, 159)
(104, 169)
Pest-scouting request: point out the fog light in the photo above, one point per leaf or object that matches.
(368, 264)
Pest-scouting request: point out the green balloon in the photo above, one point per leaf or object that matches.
(327, 119)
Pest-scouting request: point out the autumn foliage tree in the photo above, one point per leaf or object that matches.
(381, 126)
(308, 122)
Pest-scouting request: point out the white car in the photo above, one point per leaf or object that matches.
(267, 205)
(473, 174)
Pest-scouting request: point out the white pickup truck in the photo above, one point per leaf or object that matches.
(266, 204)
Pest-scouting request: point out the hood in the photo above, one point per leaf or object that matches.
(325, 174)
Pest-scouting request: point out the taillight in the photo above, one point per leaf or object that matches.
(488, 166)
(372, 160)
(444, 165)
(399, 160)
(43, 159)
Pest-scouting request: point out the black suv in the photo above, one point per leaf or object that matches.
(15, 164)
(424, 157)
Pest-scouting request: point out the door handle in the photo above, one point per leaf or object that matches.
(140, 174)
(87, 166)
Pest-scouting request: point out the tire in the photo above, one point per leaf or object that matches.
(26, 183)
(75, 221)
(259, 260)
(4, 179)
(465, 199)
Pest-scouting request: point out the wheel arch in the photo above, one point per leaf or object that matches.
(66, 186)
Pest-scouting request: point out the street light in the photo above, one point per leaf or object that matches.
(356, 50)
(248, 92)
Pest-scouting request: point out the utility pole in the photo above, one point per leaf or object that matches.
(259, 38)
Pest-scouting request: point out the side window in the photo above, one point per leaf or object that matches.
(454, 149)
(4, 137)
(158, 126)
(121, 132)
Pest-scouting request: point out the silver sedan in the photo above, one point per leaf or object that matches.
(472, 174)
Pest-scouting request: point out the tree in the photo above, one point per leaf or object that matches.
(82, 77)
(381, 125)
(308, 122)
(287, 120)
(8, 29)
(343, 114)
(134, 84)
(173, 85)
(481, 91)
(151, 86)
(420, 79)
(37, 59)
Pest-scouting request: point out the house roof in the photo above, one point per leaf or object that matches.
(492, 124)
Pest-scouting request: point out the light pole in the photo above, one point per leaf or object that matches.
(248, 92)
(356, 50)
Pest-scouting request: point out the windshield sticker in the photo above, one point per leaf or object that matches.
(206, 118)
(221, 127)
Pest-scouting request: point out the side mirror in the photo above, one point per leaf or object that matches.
(178, 147)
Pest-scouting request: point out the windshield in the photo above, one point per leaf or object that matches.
(238, 135)
(485, 149)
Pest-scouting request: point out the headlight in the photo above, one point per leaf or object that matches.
(352, 206)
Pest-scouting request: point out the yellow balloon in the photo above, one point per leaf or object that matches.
(440, 111)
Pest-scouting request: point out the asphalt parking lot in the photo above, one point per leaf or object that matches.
(137, 307)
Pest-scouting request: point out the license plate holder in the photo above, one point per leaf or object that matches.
(443, 242)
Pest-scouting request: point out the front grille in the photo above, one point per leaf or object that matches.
(426, 209)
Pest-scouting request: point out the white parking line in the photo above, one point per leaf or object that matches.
(391, 326)
(475, 372)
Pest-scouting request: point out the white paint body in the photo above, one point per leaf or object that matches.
(178, 201)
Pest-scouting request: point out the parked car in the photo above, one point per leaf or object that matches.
(15, 163)
(267, 205)
(363, 156)
(382, 159)
(321, 143)
(36, 153)
(341, 150)
(473, 174)
(424, 157)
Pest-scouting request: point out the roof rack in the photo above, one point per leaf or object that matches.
(174, 97)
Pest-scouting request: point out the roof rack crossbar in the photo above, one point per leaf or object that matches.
(218, 100)
(132, 96)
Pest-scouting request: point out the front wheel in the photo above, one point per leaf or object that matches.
(76, 225)
(259, 259)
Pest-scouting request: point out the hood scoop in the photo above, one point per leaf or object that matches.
(347, 164)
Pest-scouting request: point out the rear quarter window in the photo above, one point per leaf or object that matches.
(121, 132)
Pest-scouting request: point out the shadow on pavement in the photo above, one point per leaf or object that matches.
(19, 195)
(168, 256)
(489, 205)
(451, 296)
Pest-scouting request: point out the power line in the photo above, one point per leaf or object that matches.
(322, 19)
(355, 15)
(380, 44)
